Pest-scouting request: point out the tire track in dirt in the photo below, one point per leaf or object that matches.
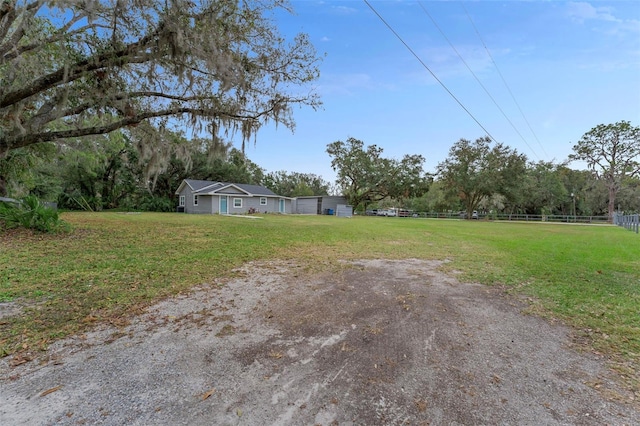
(373, 342)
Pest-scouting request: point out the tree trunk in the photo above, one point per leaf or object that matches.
(612, 202)
(3, 187)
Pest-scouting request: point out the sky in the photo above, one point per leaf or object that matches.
(534, 75)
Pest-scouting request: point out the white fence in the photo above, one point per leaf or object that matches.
(515, 217)
(629, 221)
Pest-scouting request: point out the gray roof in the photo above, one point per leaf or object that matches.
(206, 186)
(197, 185)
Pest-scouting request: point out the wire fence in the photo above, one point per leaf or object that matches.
(514, 217)
(628, 221)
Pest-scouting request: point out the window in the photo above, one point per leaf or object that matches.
(263, 201)
(195, 200)
(237, 203)
(182, 200)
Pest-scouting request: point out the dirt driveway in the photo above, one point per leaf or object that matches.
(375, 343)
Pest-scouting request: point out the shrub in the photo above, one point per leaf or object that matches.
(152, 203)
(30, 213)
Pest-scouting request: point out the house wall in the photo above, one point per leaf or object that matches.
(247, 203)
(272, 205)
(210, 204)
(332, 202)
(204, 204)
(307, 205)
(318, 205)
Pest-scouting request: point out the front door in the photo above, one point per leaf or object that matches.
(223, 204)
(281, 206)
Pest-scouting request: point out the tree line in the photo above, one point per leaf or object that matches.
(491, 177)
(106, 172)
(97, 97)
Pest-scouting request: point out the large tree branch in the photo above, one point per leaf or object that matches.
(8, 53)
(192, 60)
(66, 74)
(19, 31)
(23, 140)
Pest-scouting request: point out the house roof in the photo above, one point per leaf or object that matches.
(210, 187)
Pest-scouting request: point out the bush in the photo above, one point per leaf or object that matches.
(158, 204)
(30, 213)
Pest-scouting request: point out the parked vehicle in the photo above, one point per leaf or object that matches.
(474, 214)
(386, 212)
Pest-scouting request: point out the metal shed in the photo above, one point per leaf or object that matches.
(318, 204)
(344, 210)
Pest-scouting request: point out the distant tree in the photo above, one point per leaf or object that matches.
(435, 200)
(71, 68)
(589, 194)
(629, 195)
(612, 153)
(296, 184)
(367, 177)
(17, 169)
(476, 170)
(234, 166)
(96, 172)
(108, 171)
(544, 191)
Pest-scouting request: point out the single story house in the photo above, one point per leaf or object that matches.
(317, 204)
(207, 197)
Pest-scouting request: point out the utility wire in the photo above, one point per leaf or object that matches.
(477, 79)
(428, 69)
(503, 80)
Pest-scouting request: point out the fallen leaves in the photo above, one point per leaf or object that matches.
(208, 393)
(19, 359)
(51, 390)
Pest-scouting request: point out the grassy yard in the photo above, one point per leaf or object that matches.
(115, 264)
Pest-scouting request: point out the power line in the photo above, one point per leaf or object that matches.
(503, 80)
(477, 79)
(428, 69)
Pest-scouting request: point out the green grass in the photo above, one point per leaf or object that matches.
(115, 264)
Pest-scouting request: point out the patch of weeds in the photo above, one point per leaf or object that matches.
(6, 296)
(275, 354)
(226, 330)
(374, 330)
(586, 276)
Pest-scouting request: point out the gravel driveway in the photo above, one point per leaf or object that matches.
(376, 342)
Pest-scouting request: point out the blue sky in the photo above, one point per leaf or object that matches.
(569, 65)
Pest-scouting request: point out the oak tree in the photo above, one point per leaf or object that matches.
(612, 153)
(72, 68)
(365, 176)
(476, 170)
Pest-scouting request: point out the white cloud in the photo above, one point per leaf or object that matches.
(345, 84)
(582, 11)
(344, 10)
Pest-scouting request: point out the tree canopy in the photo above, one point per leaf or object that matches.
(612, 153)
(73, 68)
(296, 184)
(365, 176)
(476, 170)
